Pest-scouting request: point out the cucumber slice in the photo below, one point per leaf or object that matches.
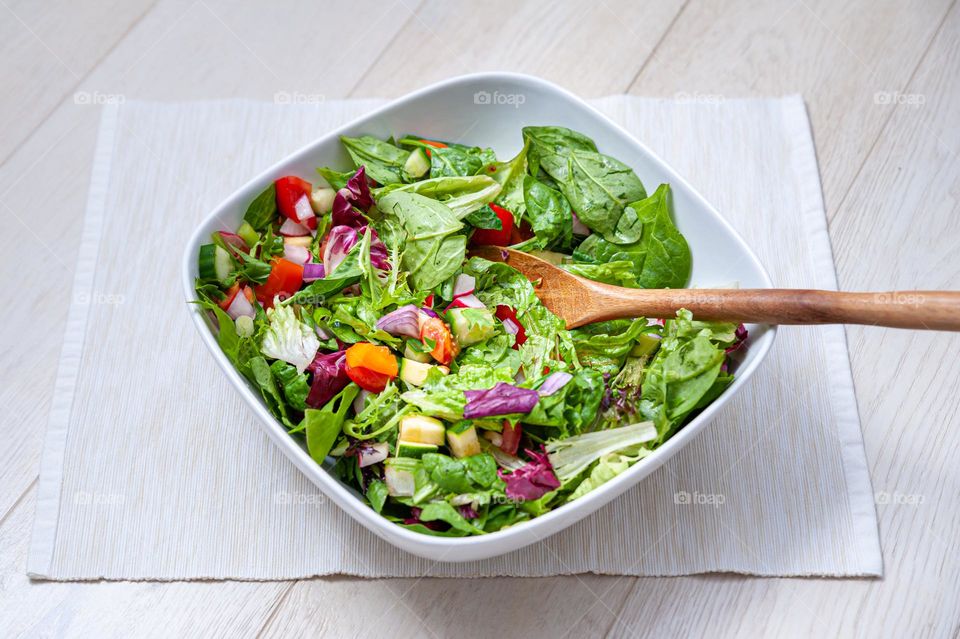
(398, 475)
(409, 352)
(462, 440)
(414, 373)
(214, 263)
(422, 429)
(417, 164)
(646, 344)
(471, 325)
(414, 449)
(222, 264)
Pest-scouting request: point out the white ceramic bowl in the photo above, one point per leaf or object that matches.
(489, 109)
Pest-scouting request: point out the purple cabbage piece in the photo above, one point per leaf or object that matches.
(533, 481)
(378, 250)
(339, 242)
(329, 377)
(502, 399)
(741, 336)
(467, 512)
(355, 195)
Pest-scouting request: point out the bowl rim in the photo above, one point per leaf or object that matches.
(419, 543)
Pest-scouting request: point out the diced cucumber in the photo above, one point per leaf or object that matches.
(410, 352)
(248, 234)
(414, 373)
(646, 344)
(422, 429)
(471, 325)
(414, 449)
(322, 200)
(418, 163)
(398, 475)
(462, 440)
(214, 263)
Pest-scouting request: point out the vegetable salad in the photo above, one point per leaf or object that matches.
(437, 383)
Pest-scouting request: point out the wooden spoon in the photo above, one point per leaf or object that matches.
(580, 301)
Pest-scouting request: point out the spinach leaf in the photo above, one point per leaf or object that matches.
(549, 147)
(549, 215)
(618, 273)
(458, 160)
(324, 425)
(377, 495)
(336, 179)
(462, 195)
(509, 175)
(432, 249)
(685, 372)
(384, 161)
(347, 273)
(598, 188)
(661, 256)
(573, 408)
(443, 511)
(605, 345)
(484, 218)
(263, 377)
(263, 209)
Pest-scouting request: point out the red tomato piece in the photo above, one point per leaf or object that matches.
(493, 237)
(435, 330)
(290, 189)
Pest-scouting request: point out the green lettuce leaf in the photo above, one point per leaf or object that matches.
(383, 161)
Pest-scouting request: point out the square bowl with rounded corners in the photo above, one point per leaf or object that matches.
(489, 109)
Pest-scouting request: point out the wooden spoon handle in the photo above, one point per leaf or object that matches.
(935, 310)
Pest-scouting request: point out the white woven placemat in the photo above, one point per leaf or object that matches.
(153, 469)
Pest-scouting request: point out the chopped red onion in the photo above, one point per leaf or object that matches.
(370, 454)
(502, 399)
(403, 321)
(289, 228)
(466, 301)
(296, 254)
(359, 400)
(303, 209)
(312, 272)
(234, 240)
(429, 312)
(240, 306)
(322, 334)
(510, 326)
(464, 285)
(553, 383)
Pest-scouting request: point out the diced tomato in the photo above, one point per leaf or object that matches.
(435, 330)
(367, 379)
(290, 189)
(493, 237)
(510, 437)
(504, 312)
(371, 366)
(285, 279)
(434, 144)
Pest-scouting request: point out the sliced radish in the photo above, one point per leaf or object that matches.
(464, 285)
(296, 254)
(466, 301)
(289, 228)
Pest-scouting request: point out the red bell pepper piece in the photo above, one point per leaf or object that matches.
(285, 279)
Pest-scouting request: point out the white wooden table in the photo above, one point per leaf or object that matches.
(882, 83)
